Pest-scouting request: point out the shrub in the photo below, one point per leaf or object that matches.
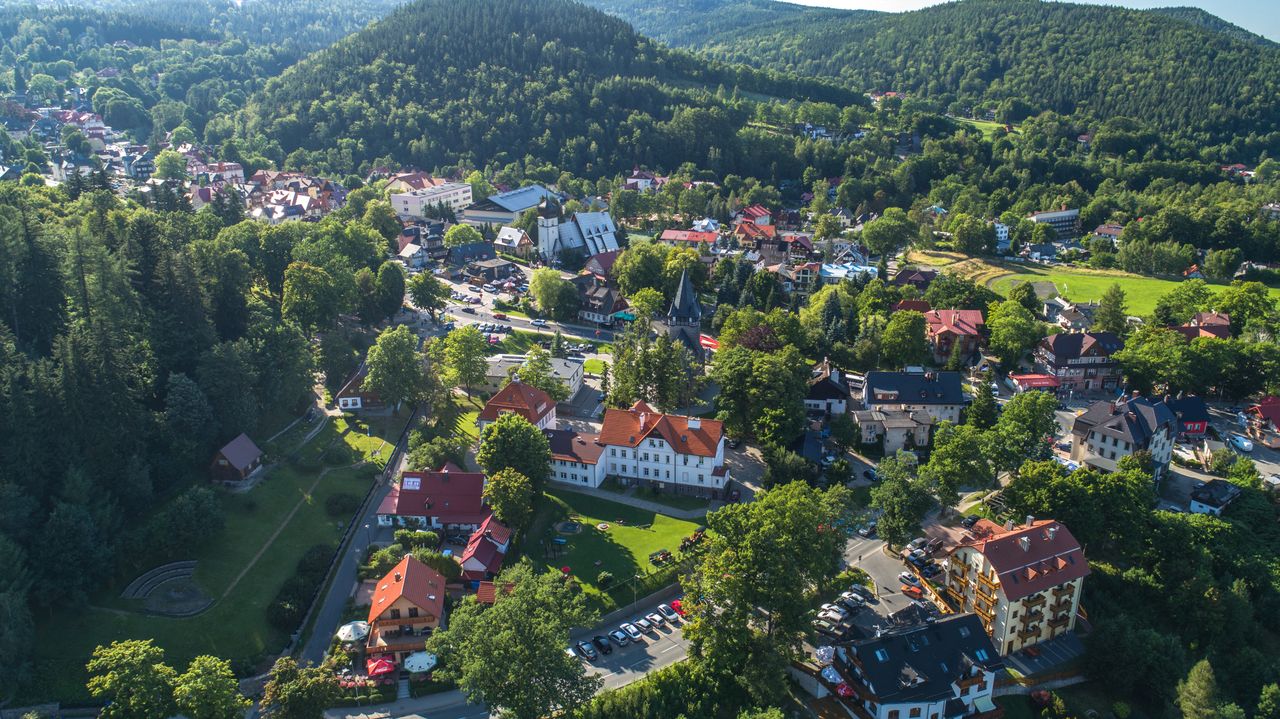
(338, 454)
(341, 505)
(313, 565)
(604, 579)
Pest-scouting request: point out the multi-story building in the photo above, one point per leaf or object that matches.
(447, 498)
(418, 204)
(407, 605)
(500, 367)
(1082, 361)
(528, 401)
(945, 329)
(943, 670)
(1065, 222)
(828, 390)
(575, 457)
(1024, 582)
(1109, 431)
(682, 455)
(938, 394)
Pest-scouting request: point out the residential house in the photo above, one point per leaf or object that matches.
(425, 202)
(1003, 242)
(485, 551)
(947, 328)
(1212, 497)
(1263, 421)
(643, 180)
(583, 233)
(757, 215)
(463, 255)
(568, 370)
(1206, 324)
(575, 457)
(938, 394)
(447, 498)
(599, 302)
(706, 224)
(1063, 221)
(1192, 414)
(513, 241)
(830, 274)
(1109, 431)
(519, 398)
(1024, 582)
(353, 397)
(1082, 361)
(894, 429)
(407, 605)
(1193, 273)
(505, 208)
(700, 241)
(411, 180)
(920, 306)
(492, 270)
(749, 234)
(413, 256)
(681, 455)
(919, 279)
(237, 461)
(1070, 316)
(828, 390)
(941, 670)
(1040, 252)
(600, 265)
(1110, 233)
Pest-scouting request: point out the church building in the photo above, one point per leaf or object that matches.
(589, 233)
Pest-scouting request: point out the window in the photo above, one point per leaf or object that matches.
(395, 613)
(646, 456)
(893, 714)
(646, 471)
(964, 691)
(915, 711)
(613, 452)
(882, 655)
(413, 611)
(981, 654)
(668, 474)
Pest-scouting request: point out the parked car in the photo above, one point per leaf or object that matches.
(826, 626)
(473, 288)
(852, 600)
(668, 613)
(835, 608)
(969, 521)
(908, 578)
(871, 475)
(538, 323)
(469, 310)
(918, 543)
(644, 625)
(931, 571)
(499, 315)
(911, 591)
(602, 644)
(832, 617)
(867, 531)
(586, 651)
(655, 619)
(1240, 443)
(619, 637)
(633, 632)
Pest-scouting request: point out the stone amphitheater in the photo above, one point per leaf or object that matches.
(169, 590)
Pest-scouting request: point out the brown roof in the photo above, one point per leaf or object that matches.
(964, 323)
(448, 494)
(414, 581)
(525, 400)
(571, 446)
(487, 592)
(920, 306)
(630, 427)
(241, 452)
(1049, 556)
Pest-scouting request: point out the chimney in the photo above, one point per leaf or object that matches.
(644, 418)
(398, 578)
(1053, 532)
(1025, 543)
(1008, 526)
(1030, 520)
(695, 423)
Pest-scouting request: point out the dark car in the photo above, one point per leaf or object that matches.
(870, 475)
(969, 521)
(931, 570)
(602, 643)
(586, 651)
(469, 310)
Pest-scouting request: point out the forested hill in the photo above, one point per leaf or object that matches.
(1178, 72)
(443, 81)
(694, 23)
(1208, 20)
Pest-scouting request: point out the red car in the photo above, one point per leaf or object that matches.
(499, 315)
(910, 591)
(677, 607)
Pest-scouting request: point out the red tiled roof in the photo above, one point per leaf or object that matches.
(756, 211)
(448, 494)
(1211, 319)
(1035, 381)
(751, 230)
(959, 322)
(484, 547)
(487, 592)
(1268, 409)
(1049, 556)
(630, 427)
(689, 236)
(525, 400)
(921, 306)
(414, 581)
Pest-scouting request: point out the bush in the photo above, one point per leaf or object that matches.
(413, 538)
(341, 505)
(290, 605)
(338, 455)
(313, 565)
(604, 579)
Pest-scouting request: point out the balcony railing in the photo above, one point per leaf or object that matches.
(1036, 601)
(1060, 606)
(1031, 618)
(1059, 622)
(1060, 592)
(1025, 634)
(985, 596)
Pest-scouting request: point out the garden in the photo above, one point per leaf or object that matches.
(606, 545)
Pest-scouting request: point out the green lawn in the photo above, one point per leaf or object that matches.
(987, 127)
(623, 549)
(593, 366)
(466, 423)
(235, 627)
(1085, 285)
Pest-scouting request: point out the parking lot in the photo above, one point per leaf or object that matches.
(662, 647)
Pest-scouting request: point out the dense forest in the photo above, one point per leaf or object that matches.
(1017, 56)
(442, 82)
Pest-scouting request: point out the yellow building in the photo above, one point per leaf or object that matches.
(407, 606)
(1024, 582)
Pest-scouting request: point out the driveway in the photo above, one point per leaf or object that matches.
(1052, 654)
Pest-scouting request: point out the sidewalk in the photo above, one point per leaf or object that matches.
(655, 507)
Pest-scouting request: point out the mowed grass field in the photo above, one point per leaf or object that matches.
(623, 549)
(242, 569)
(1076, 284)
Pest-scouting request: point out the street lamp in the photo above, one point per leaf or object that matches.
(635, 600)
(367, 538)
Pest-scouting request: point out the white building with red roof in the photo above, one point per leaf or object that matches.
(447, 498)
(486, 549)
(519, 398)
(1023, 581)
(683, 455)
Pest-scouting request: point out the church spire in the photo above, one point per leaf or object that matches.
(685, 309)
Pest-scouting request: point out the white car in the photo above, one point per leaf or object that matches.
(655, 619)
(668, 613)
(909, 578)
(830, 617)
(1240, 443)
(834, 609)
(538, 323)
(632, 631)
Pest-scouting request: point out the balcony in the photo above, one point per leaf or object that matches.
(1060, 606)
(1031, 617)
(984, 612)
(1036, 601)
(1025, 634)
(1067, 591)
(988, 581)
(1059, 622)
(985, 596)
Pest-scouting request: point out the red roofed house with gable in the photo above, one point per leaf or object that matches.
(757, 215)
(1264, 421)
(482, 559)
(519, 398)
(689, 238)
(407, 605)
(947, 328)
(681, 455)
(1024, 582)
(447, 498)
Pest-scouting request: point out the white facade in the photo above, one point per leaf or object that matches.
(585, 474)
(415, 203)
(657, 461)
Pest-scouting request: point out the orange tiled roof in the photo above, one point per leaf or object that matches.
(630, 427)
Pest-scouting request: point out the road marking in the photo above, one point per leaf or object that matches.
(673, 646)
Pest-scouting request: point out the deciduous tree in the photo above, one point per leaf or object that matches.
(512, 443)
(209, 690)
(298, 692)
(132, 676)
(459, 235)
(396, 369)
(510, 494)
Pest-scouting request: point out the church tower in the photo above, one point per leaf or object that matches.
(548, 228)
(683, 322)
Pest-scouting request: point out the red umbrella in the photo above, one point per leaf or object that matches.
(844, 690)
(565, 570)
(378, 667)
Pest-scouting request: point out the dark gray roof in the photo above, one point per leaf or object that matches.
(685, 308)
(1189, 409)
(241, 452)
(1136, 420)
(913, 388)
(1067, 346)
(919, 664)
(1216, 493)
